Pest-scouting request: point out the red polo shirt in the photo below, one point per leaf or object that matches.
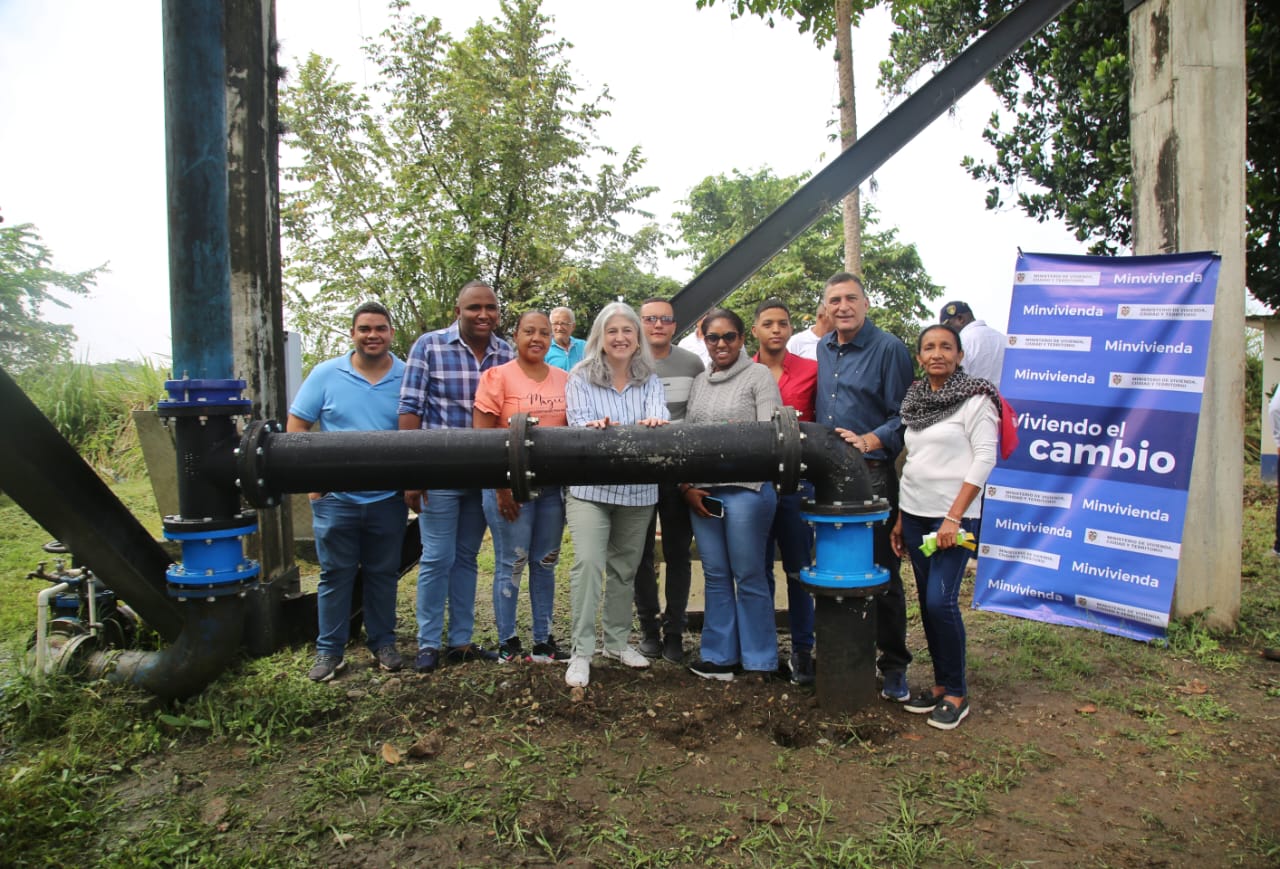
(798, 384)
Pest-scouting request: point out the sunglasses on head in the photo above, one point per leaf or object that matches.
(726, 337)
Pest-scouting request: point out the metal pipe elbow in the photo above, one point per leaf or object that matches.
(208, 643)
(838, 472)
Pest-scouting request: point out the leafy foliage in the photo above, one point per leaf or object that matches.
(811, 16)
(1062, 143)
(723, 208)
(467, 159)
(27, 282)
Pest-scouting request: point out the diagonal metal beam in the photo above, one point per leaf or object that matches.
(824, 191)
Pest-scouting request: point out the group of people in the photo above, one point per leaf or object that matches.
(844, 373)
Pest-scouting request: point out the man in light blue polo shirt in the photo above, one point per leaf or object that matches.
(565, 350)
(358, 391)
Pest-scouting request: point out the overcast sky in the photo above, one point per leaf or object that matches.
(82, 134)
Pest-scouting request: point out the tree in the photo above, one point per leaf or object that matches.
(27, 282)
(1066, 124)
(721, 209)
(466, 160)
(827, 20)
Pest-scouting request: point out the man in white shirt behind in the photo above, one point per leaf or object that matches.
(983, 346)
(805, 342)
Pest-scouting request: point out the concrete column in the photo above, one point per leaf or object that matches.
(1187, 126)
(257, 323)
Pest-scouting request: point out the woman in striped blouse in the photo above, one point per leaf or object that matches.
(614, 384)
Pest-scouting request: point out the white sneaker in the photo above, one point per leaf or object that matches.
(629, 656)
(579, 672)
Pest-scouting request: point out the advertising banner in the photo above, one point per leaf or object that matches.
(1082, 524)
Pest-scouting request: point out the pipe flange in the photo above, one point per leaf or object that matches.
(519, 445)
(787, 425)
(840, 592)
(847, 508)
(189, 397)
(188, 591)
(186, 527)
(251, 463)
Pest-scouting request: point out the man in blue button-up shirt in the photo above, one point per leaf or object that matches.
(863, 374)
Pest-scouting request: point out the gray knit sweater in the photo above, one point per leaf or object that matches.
(743, 392)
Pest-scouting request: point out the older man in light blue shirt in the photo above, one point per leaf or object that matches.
(565, 350)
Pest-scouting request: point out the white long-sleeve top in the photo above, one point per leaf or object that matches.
(959, 449)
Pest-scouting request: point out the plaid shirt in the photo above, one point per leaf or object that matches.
(441, 376)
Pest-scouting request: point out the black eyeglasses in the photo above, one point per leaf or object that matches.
(726, 337)
(651, 319)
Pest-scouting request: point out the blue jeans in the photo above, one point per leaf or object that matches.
(351, 537)
(794, 539)
(938, 581)
(533, 539)
(452, 525)
(738, 625)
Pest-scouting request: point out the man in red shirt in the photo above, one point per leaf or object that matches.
(797, 381)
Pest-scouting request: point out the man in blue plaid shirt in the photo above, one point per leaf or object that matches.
(440, 379)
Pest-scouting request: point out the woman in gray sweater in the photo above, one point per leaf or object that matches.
(731, 519)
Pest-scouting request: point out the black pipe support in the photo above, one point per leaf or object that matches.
(845, 623)
(270, 463)
(46, 477)
(208, 643)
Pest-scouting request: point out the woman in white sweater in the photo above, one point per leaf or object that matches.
(738, 629)
(951, 424)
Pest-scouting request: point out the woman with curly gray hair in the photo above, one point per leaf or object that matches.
(614, 384)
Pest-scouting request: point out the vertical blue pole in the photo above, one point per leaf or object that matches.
(196, 164)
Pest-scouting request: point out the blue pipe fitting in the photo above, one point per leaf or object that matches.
(206, 397)
(844, 550)
(213, 563)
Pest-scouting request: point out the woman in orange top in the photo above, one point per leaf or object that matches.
(524, 534)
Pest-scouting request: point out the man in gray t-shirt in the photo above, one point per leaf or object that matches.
(676, 369)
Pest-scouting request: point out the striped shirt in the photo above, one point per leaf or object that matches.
(441, 376)
(585, 402)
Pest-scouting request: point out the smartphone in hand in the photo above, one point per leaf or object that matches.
(714, 506)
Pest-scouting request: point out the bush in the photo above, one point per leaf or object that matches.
(91, 406)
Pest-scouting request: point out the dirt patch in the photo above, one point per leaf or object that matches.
(662, 768)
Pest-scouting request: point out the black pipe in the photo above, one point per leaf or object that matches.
(842, 175)
(46, 477)
(271, 463)
(206, 646)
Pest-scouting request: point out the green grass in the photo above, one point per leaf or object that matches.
(70, 752)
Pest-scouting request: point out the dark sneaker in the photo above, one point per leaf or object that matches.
(326, 667)
(923, 701)
(469, 652)
(427, 660)
(672, 648)
(651, 645)
(548, 653)
(947, 716)
(511, 652)
(708, 670)
(388, 658)
(896, 688)
(802, 667)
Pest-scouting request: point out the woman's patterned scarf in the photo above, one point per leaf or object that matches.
(922, 406)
